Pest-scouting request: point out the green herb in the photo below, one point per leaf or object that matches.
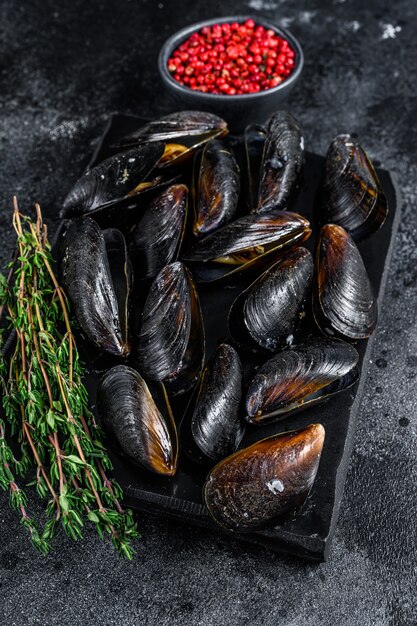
(46, 406)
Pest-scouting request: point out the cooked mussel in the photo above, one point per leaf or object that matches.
(260, 484)
(114, 181)
(217, 192)
(99, 290)
(350, 193)
(300, 377)
(157, 237)
(182, 132)
(282, 161)
(242, 243)
(138, 420)
(270, 312)
(254, 142)
(212, 426)
(344, 303)
(171, 336)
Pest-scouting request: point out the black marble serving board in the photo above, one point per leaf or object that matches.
(308, 532)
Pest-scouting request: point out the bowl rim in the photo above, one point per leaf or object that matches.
(181, 35)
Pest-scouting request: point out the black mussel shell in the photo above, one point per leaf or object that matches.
(351, 194)
(282, 162)
(254, 141)
(138, 420)
(218, 188)
(270, 312)
(114, 180)
(298, 378)
(258, 485)
(182, 132)
(157, 237)
(244, 242)
(344, 303)
(212, 426)
(171, 336)
(121, 274)
(99, 293)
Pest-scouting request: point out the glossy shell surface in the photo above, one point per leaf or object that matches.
(296, 379)
(351, 194)
(344, 302)
(258, 485)
(171, 336)
(138, 422)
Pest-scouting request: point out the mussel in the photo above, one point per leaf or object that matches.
(282, 161)
(260, 484)
(157, 237)
(217, 188)
(114, 181)
(98, 289)
(212, 426)
(254, 142)
(300, 377)
(171, 336)
(138, 420)
(270, 312)
(344, 303)
(350, 193)
(244, 242)
(182, 132)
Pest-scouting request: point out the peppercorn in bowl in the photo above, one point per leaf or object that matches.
(239, 67)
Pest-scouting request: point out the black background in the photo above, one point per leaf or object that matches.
(64, 66)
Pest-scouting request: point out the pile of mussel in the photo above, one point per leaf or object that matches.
(172, 208)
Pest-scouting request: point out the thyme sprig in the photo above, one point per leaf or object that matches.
(46, 406)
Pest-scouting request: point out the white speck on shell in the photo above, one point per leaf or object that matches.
(275, 486)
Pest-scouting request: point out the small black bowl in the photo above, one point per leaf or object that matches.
(241, 110)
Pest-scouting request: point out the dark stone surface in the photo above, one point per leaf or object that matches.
(63, 68)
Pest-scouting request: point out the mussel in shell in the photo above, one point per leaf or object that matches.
(171, 336)
(270, 312)
(351, 194)
(138, 420)
(182, 132)
(99, 290)
(254, 142)
(113, 181)
(298, 378)
(260, 484)
(157, 237)
(344, 303)
(217, 191)
(212, 426)
(244, 242)
(282, 161)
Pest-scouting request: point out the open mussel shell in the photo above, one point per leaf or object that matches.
(182, 132)
(138, 420)
(113, 181)
(282, 161)
(247, 241)
(270, 312)
(218, 188)
(157, 237)
(344, 303)
(258, 485)
(350, 193)
(212, 426)
(254, 143)
(171, 336)
(298, 378)
(99, 290)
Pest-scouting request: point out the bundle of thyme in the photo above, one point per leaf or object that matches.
(46, 406)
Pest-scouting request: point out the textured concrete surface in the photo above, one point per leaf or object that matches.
(63, 67)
